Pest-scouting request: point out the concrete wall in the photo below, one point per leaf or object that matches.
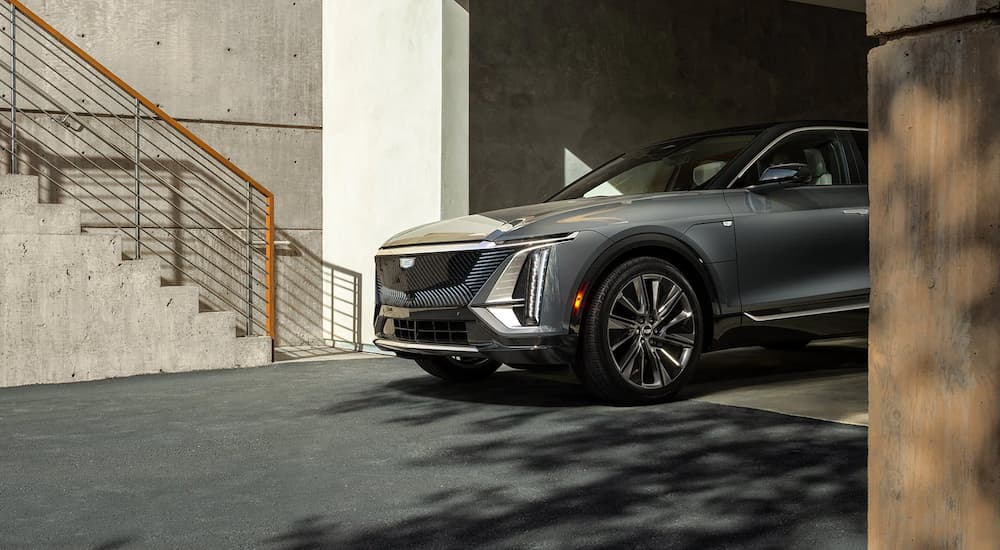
(554, 78)
(245, 75)
(392, 135)
(934, 354)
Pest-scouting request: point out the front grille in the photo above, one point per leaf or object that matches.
(431, 332)
(429, 271)
(443, 279)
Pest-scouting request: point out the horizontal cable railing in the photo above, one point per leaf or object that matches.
(137, 171)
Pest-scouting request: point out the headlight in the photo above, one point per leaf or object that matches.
(538, 264)
(516, 297)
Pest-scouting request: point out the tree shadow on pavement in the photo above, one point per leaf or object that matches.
(742, 367)
(569, 473)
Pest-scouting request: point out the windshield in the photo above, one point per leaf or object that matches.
(679, 166)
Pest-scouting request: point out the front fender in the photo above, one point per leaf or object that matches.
(670, 245)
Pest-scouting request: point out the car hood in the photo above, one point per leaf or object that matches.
(547, 218)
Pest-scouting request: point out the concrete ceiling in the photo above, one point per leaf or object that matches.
(851, 5)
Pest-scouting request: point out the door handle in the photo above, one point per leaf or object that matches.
(858, 211)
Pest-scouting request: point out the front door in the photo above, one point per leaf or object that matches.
(803, 249)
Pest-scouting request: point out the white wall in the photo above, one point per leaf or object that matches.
(384, 113)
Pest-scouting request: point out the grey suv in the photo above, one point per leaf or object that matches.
(746, 236)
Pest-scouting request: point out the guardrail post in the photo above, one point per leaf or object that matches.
(249, 260)
(13, 89)
(138, 188)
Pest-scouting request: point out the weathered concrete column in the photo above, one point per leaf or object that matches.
(934, 441)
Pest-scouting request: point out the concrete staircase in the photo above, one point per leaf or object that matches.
(71, 309)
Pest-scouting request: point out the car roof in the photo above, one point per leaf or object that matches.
(769, 127)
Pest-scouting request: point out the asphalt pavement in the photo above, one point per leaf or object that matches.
(371, 453)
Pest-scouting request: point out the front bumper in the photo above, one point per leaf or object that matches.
(484, 322)
(482, 341)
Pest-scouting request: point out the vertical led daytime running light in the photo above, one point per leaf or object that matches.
(536, 284)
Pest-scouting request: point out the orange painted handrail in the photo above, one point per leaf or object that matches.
(269, 279)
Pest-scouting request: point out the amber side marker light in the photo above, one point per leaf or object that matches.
(578, 302)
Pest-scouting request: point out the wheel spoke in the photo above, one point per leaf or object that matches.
(670, 367)
(640, 294)
(626, 338)
(680, 318)
(624, 300)
(681, 340)
(617, 322)
(654, 294)
(643, 359)
(673, 297)
(628, 363)
(669, 357)
(659, 378)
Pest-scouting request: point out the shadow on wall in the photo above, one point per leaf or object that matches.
(303, 280)
(691, 475)
(195, 222)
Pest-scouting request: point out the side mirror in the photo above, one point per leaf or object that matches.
(782, 176)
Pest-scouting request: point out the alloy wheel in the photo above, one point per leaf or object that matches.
(651, 331)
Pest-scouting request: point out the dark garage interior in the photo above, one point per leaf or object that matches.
(550, 77)
(224, 187)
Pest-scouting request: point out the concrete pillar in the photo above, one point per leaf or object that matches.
(934, 355)
(395, 138)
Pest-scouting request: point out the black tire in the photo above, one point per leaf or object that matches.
(597, 364)
(458, 369)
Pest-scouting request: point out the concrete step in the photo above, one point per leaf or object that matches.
(215, 324)
(253, 351)
(18, 219)
(18, 200)
(141, 274)
(182, 299)
(58, 219)
(207, 342)
(84, 251)
(19, 191)
(84, 313)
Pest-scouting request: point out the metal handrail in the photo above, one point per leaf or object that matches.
(144, 230)
(126, 104)
(157, 160)
(64, 111)
(86, 112)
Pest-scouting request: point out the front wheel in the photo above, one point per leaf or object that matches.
(641, 335)
(458, 369)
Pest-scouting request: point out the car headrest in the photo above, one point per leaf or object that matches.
(816, 162)
(706, 171)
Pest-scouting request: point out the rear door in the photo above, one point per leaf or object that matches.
(803, 249)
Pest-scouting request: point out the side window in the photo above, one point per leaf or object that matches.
(861, 140)
(820, 150)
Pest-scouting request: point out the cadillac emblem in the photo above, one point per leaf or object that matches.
(406, 263)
